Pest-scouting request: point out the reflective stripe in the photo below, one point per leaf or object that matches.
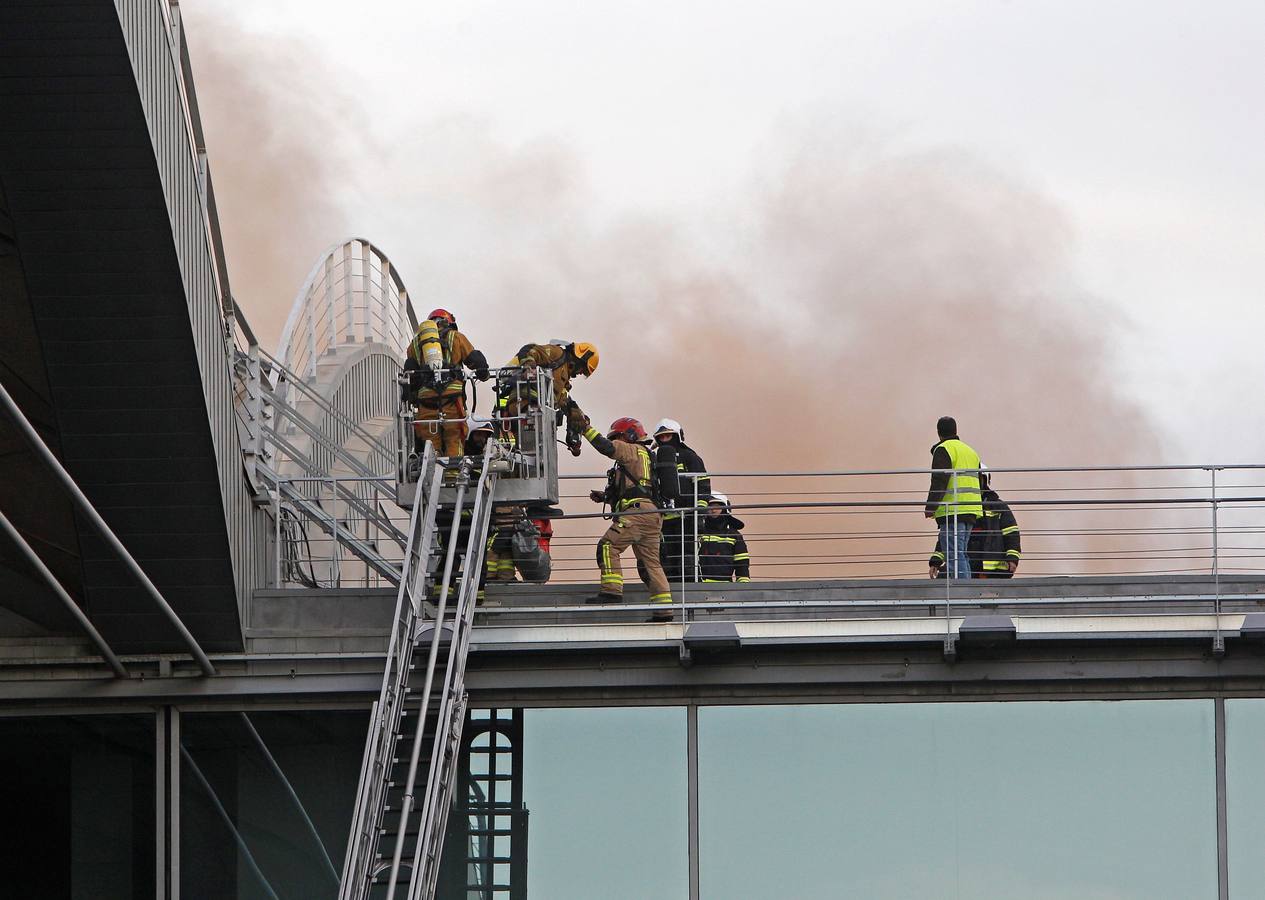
(661, 598)
(591, 433)
(717, 539)
(744, 580)
(646, 471)
(741, 557)
(1011, 530)
(1013, 554)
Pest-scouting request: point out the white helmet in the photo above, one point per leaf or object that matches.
(718, 497)
(669, 426)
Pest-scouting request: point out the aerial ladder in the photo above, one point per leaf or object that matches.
(410, 761)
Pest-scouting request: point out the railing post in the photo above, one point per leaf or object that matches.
(276, 536)
(694, 524)
(1218, 639)
(951, 566)
(680, 559)
(335, 549)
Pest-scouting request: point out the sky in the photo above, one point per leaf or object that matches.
(768, 165)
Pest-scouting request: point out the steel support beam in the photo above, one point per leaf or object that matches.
(1223, 831)
(71, 606)
(90, 513)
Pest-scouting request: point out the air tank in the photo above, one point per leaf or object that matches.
(432, 349)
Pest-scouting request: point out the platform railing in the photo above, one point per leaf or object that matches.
(805, 528)
(525, 423)
(323, 537)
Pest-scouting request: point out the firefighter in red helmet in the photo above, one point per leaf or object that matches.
(630, 491)
(435, 363)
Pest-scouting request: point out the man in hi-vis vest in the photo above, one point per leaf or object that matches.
(954, 500)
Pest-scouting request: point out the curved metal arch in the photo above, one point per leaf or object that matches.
(330, 309)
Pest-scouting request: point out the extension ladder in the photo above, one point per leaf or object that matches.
(410, 760)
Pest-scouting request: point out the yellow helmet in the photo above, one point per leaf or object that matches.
(587, 355)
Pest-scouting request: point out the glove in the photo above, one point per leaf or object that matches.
(597, 496)
(482, 373)
(576, 418)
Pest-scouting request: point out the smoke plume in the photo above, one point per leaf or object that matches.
(279, 144)
(822, 318)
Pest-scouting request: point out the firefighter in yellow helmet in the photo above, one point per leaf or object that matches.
(435, 362)
(565, 362)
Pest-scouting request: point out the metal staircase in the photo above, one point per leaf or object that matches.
(294, 439)
(410, 762)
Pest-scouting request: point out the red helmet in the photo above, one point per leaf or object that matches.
(628, 428)
(444, 315)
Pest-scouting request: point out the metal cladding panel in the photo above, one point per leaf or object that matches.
(104, 181)
(160, 64)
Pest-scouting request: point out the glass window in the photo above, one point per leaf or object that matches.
(79, 805)
(242, 834)
(1043, 801)
(608, 811)
(1245, 796)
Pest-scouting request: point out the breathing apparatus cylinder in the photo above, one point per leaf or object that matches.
(432, 349)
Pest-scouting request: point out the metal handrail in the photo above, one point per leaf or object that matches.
(326, 407)
(990, 470)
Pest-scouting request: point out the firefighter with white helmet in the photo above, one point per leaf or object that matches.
(722, 550)
(681, 527)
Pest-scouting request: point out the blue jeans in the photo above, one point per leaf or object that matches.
(953, 541)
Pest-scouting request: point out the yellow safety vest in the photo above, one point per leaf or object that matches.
(962, 494)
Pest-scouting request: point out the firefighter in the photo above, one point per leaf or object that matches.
(565, 362)
(630, 491)
(499, 556)
(680, 528)
(443, 533)
(954, 498)
(722, 551)
(994, 548)
(434, 362)
(477, 439)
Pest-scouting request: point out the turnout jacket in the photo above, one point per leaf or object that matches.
(458, 352)
(722, 551)
(686, 460)
(556, 360)
(632, 477)
(994, 540)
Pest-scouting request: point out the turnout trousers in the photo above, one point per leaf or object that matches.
(677, 552)
(641, 531)
(447, 432)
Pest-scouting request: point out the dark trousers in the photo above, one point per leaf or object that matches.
(677, 550)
